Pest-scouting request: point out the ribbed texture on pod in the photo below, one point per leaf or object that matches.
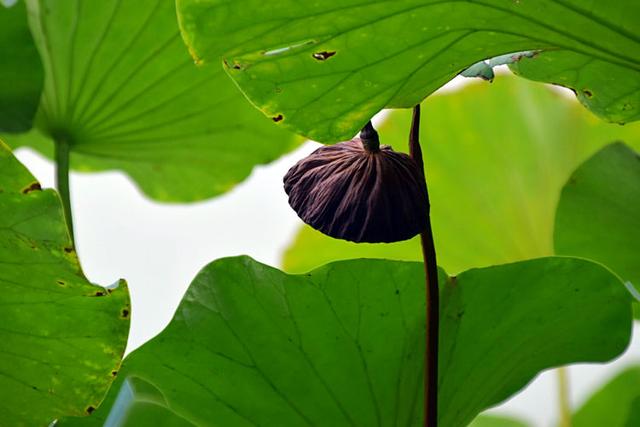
(350, 193)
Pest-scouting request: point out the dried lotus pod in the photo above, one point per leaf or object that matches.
(359, 191)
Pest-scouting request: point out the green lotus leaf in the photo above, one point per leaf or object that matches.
(123, 92)
(21, 74)
(610, 91)
(62, 337)
(616, 404)
(324, 68)
(343, 345)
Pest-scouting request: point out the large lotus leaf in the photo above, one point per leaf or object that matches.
(62, 338)
(617, 404)
(343, 345)
(121, 88)
(496, 158)
(599, 211)
(21, 74)
(611, 91)
(325, 67)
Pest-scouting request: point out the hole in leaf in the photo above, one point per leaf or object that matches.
(321, 56)
(34, 186)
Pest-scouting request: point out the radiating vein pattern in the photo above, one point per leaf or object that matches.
(121, 88)
(387, 53)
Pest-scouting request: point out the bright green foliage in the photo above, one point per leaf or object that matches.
(611, 91)
(327, 66)
(343, 345)
(311, 249)
(21, 73)
(599, 211)
(62, 338)
(496, 421)
(497, 156)
(121, 88)
(617, 404)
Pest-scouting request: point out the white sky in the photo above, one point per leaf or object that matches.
(160, 248)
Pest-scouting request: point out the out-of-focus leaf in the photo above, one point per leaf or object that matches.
(598, 214)
(617, 404)
(62, 338)
(343, 345)
(497, 421)
(326, 67)
(496, 158)
(121, 89)
(610, 91)
(21, 74)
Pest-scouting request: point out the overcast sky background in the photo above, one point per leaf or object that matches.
(160, 248)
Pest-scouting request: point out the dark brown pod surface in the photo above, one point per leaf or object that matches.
(350, 193)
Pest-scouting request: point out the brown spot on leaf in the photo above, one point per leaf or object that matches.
(90, 409)
(587, 93)
(324, 55)
(277, 118)
(68, 249)
(125, 313)
(114, 373)
(34, 186)
(61, 282)
(99, 294)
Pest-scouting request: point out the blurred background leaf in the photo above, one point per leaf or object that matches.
(496, 158)
(21, 74)
(599, 210)
(496, 421)
(616, 404)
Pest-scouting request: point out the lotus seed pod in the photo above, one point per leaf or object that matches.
(359, 191)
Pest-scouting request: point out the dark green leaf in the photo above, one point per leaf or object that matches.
(343, 345)
(617, 404)
(62, 338)
(326, 67)
(21, 72)
(497, 157)
(121, 88)
(599, 210)
(611, 91)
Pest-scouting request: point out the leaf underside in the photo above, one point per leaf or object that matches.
(121, 88)
(325, 68)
